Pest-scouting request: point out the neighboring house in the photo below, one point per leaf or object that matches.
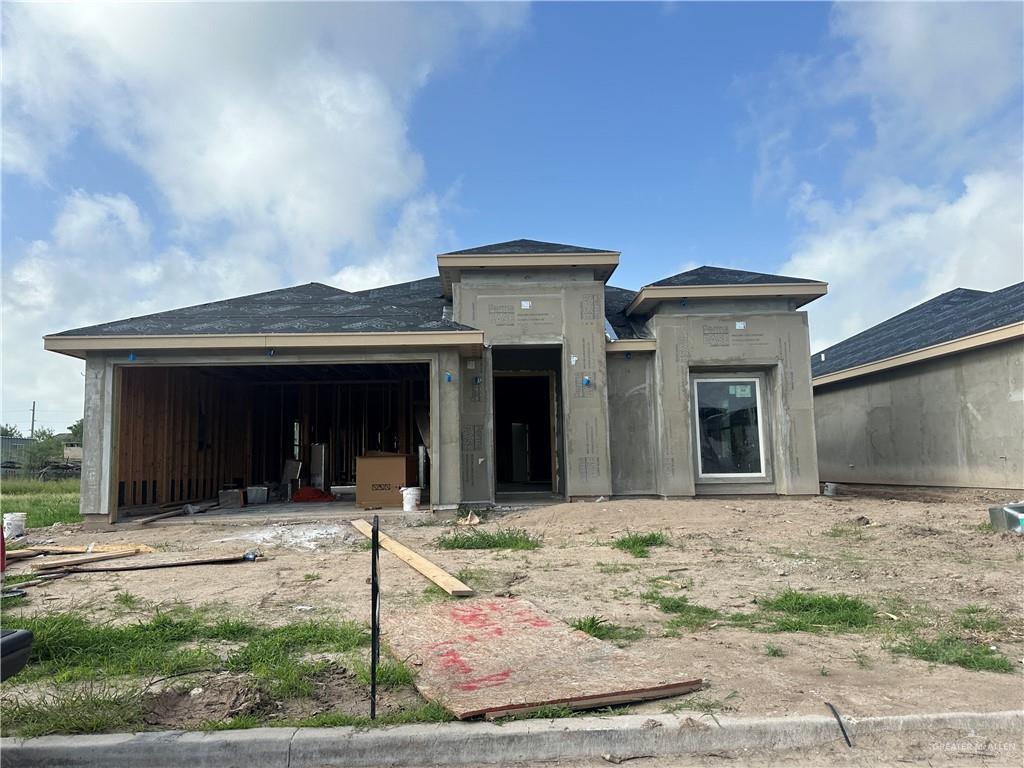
(933, 396)
(13, 451)
(517, 369)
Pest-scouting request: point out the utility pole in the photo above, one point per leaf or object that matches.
(32, 429)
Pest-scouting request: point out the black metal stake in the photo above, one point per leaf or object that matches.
(374, 613)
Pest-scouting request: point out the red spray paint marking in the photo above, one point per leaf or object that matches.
(453, 661)
(487, 681)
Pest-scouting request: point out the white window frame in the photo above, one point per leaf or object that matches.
(760, 426)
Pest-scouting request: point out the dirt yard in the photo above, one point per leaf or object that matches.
(933, 572)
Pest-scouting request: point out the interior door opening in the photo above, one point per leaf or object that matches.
(524, 433)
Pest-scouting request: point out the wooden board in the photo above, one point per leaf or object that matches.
(88, 549)
(499, 656)
(436, 574)
(70, 562)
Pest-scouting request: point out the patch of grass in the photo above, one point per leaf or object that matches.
(68, 647)
(429, 712)
(467, 576)
(32, 487)
(774, 651)
(508, 538)
(271, 655)
(311, 577)
(613, 568)
(13, 581)
(705, 705)
(684, 613)
(602, 629)
(845, 532)
(390, 674)
(639, 544)
(978, 619)
(985, 527)
(862, 659)
(549, 712)
(15, 601)
(93, 708)
(823, 670)
(795, 611)
(43, 509)
(947, 649)
(236, 723)
(126, 599)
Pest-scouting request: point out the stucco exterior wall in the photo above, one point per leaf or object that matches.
(774, 344)
(514, 310)
(631, 423)
(955, 421)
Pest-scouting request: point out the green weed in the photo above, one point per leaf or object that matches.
(508, 538)
(311, 577)
(705, 705)
(602, 629)
(639, 544)
(947, 649)
(92, 708)
(854, 532)
(613, 568)
(774, 651)
(794, 611)
(684, 613)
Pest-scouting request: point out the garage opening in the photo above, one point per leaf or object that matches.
(526, 421)
(186, 433)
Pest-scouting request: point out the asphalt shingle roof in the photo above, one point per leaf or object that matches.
(722, 276)
(310, 308)
(952, 315)
(524, 248)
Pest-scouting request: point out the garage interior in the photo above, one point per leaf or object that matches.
(186, 433)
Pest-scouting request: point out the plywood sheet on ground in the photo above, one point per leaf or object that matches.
(498, 655)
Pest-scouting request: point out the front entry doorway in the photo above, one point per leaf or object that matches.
(524, 432)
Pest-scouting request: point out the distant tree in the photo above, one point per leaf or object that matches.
(10, 430)
(45, 448)
(76, 431)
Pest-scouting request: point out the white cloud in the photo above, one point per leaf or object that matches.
(275, 137)
(899, 244)
(930, 195)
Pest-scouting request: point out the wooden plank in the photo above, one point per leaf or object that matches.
(69, 562)
(224, 559)
(417, 562)
(496, 656)
(89, 549)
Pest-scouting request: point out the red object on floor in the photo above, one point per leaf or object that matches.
(311, 494)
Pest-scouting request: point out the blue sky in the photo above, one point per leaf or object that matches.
(163, 155)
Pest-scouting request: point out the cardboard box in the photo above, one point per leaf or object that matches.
(380, 477)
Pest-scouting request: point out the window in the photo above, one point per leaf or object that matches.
(730, 440)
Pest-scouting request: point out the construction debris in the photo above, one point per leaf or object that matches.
(187, 509)
(88, 549)
(471, 519)
(498, 657)
(249, 556)
(417, 562)
(70, 562)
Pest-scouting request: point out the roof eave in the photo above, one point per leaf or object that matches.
(651, 295)
(450, 265)
(944, 349)
(79, 346)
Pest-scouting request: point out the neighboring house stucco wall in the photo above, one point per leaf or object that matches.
(955, 421)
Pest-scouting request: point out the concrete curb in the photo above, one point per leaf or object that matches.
(479, 743)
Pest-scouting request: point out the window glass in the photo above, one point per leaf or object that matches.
(730, 442)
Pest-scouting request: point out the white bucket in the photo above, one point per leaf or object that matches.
(14, 525)
(410, 499)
